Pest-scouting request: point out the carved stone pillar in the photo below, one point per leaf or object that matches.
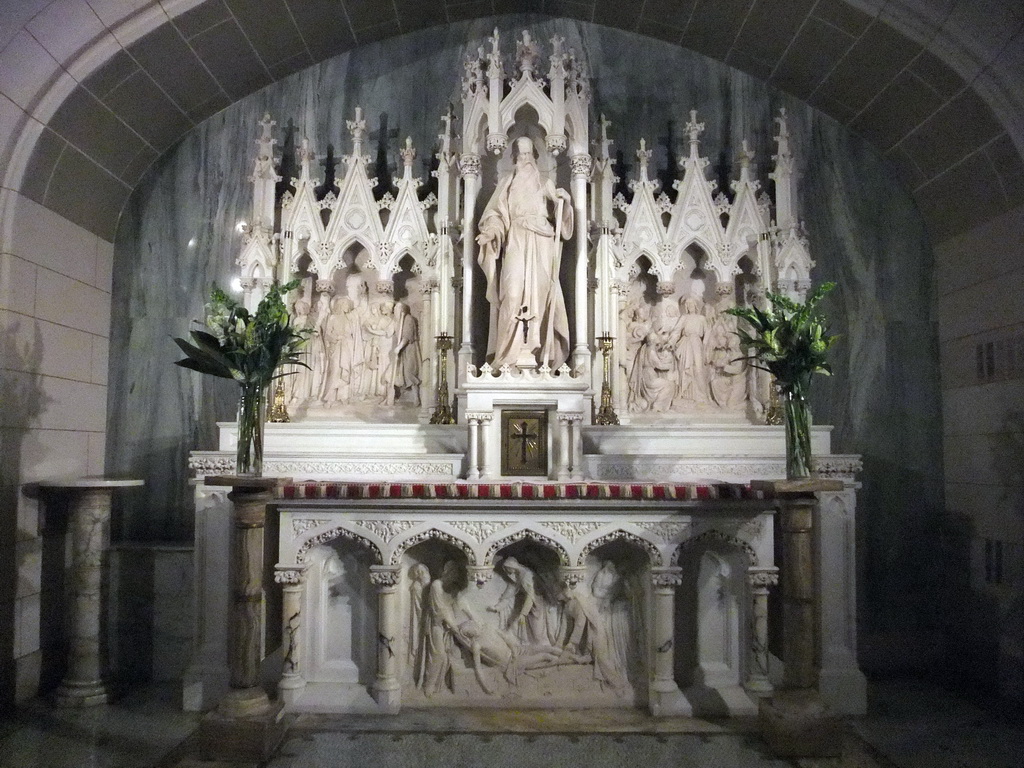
(795, 722)
(486, 446)
(580, 166)
(292, 580)
(760, 579)
(665, 696)
(576, 454)
(470, 167)
(386, 689)
(474, 446)
(564, 446)
(246, 724)
(89, 530)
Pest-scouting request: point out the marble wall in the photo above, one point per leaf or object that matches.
(178, 234)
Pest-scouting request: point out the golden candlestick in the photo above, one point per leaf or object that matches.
(606, 415)
(278, 410)
(443, 411)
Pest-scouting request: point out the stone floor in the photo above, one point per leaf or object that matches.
(911, 725)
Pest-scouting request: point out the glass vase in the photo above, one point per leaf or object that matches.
(252, 404)
(797, 417)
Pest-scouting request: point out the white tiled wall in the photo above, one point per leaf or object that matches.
(55, 317)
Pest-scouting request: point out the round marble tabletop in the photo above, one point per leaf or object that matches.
(91, 481)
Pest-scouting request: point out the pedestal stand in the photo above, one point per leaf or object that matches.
(246, 725)
(795, 722)
(89, 527)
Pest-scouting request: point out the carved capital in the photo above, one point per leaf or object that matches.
(581, 165)
(385, 287)
(290, 574)
(496, 144)
(384, 576)
(569, 417)
(666, 288)
(480, 574)
(669, 576)
(325, 285)
(247, 283)
(556, 143)
(469, 165)
(479, 417)
(763, 578)
(572, 576)
(429, 286)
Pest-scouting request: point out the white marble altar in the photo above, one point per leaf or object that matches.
(428, 587)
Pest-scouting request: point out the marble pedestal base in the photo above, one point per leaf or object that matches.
(798, 724)
(70, 694)
(237, 739)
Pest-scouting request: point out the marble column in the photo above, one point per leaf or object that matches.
(576, 453)
(564, 446)
(474, 446)
(469, 165)
(386, 689)
(249, 498)
(486, 447)
(581, 166)
(83, 684)
(760, 580)
(665, 696)
(795, 721)
(292, 579)
(246, 725)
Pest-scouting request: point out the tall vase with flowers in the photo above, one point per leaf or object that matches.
(252, 349)
(791, 342)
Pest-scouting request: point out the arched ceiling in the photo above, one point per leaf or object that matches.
(106, 86)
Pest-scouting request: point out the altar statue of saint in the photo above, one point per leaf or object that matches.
(692, 329)
(403, 372)
(336, 333)
(528, 325)
(299, 382)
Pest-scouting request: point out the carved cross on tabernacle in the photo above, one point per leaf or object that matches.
(524, 448)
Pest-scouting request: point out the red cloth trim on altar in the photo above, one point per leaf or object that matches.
(534, 491)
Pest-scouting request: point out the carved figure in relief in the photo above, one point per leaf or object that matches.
(588, 638)
(528, 324)
(492, 647)
(729, 380)
(419, 578)
(378, 330)
(318, 347)
(439, 624)
(521, 608)
(298, 383)
(691, 328)
(335, 386)
(654, 378)
(403, 372)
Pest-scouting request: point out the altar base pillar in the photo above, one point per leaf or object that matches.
(760, 580)
(246, 724)
(292, 580)
(795, 722)
(387, 690)
(665, 698)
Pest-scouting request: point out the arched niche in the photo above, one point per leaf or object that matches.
(342, 608)
(711, 625)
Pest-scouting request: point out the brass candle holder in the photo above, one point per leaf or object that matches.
(278, 409)
(443, 411)
(606, 415)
